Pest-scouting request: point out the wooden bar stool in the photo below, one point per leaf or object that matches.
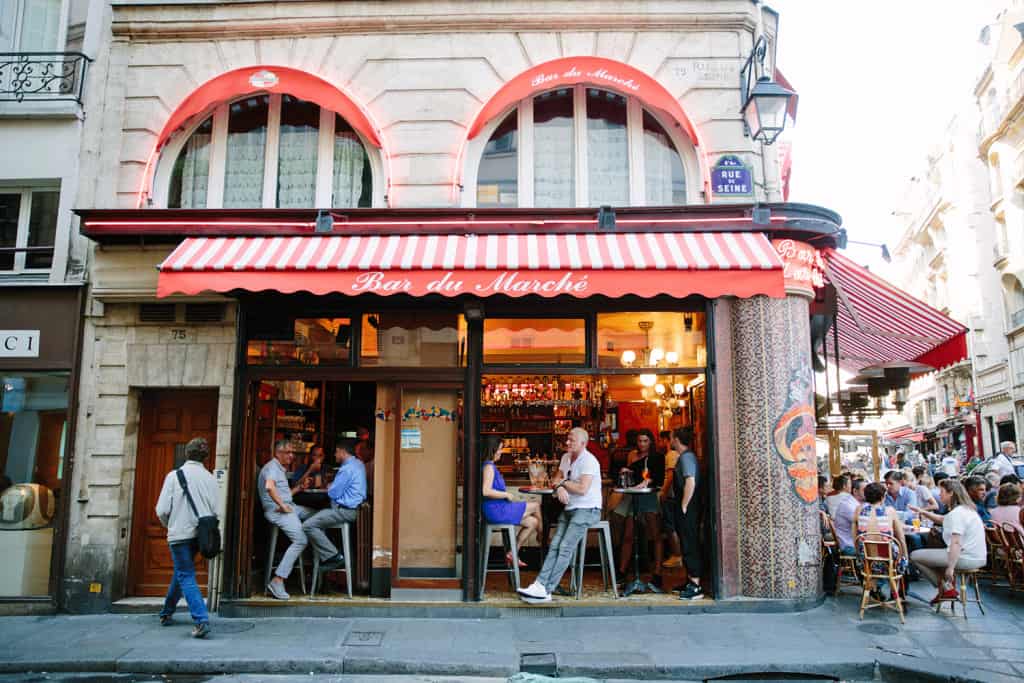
(346, 551)
(604, 545)
(508, 532)
(274, 530)
(961, 579)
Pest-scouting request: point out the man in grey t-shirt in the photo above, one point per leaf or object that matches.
(276, 497)
(686, 480)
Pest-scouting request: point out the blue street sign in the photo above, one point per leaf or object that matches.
(731, 177)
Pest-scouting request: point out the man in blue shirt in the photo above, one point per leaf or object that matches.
(347, 492)
(975, 486)
(900, 497)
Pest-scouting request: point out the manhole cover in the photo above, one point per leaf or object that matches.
(364, 638)
(233, 626)
(878, 629)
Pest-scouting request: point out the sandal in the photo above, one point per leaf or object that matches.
(508, 560)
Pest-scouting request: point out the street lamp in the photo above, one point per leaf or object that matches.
(764, 102)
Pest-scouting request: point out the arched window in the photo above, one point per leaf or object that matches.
(581, 146)
(268, 151)
(1013, 293)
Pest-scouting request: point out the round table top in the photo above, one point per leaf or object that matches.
(541, 492)
(633, 490)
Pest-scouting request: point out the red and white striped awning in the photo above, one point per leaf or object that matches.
(879, 323)
(710, 264)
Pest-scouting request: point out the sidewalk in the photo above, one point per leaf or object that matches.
(826, 640)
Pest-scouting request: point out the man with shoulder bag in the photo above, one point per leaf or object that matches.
(187, 508)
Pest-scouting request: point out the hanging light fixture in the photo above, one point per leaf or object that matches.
(648, 380)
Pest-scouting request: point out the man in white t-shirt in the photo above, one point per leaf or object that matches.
(578, 487)
(1003, 460)
(950, 463)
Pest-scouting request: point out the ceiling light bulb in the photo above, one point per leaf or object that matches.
(648, 380)
(628, 357)
(678, 388)
(672, 357)
(657, 355)
(659, 388)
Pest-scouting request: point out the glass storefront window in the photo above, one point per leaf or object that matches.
(411, 339)
(651, 339)
(497, 179)
(532, 341)
(314, 341)
(33, 438)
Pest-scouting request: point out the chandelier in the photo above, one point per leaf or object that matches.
(648, 357)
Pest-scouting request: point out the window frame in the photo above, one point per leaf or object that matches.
(61, 38)
(24, 219)
(324, 188)
(635, 131)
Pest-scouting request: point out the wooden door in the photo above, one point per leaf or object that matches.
(169, 419)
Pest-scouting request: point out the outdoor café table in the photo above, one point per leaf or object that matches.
(312, 498)
(637, 585)
(547, 512)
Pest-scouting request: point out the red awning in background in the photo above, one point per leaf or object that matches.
(738, 264)
(905, 433)
(784, 82)
(879, 323)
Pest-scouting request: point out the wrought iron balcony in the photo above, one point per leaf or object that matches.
(42, 76)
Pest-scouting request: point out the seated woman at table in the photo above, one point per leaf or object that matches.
(875, 517)
(1008, 509)
(964, 535)
(498, 506)
(647, 465)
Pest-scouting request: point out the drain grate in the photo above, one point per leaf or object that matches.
(364, 639)
(542, 663)
(233, 626)
(878, 629)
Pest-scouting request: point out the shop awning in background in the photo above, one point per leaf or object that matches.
(738, 264)
(879, 323)
(905, 433)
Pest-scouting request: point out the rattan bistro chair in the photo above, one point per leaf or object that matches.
(848, 566)
(996, 569)
(879, 565)
(1014, 556)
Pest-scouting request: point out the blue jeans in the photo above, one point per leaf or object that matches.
(184, 581)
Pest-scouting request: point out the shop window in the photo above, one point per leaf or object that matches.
(535, 341)
(270, 151)
(411, 339)
(33, 439)
(28, 227)
(651, 340)
(308, 341)
(581, 146)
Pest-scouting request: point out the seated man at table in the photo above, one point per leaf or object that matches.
(577, 486)
(347, 493)
(276, 496)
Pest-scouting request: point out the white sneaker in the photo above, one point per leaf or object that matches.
(277, 590)
(535, 601)
(674, 561)
(535, 591)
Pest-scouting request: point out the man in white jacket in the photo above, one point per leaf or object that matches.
(182, 529)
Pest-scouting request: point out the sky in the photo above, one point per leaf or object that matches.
(878, 82)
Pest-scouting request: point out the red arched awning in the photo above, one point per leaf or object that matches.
(275, 79)
(597, 71)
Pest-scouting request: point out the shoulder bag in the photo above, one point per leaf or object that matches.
(208, 525)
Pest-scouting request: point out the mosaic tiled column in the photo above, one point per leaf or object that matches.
(776, 465)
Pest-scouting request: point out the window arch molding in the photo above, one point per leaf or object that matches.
(636, 109)
(217, 115)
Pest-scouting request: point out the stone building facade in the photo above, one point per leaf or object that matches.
(419, 73)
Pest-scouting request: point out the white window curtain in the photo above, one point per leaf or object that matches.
(243, 173)
(349, 158)
(195, 170)
(296, 171)
(554, 160)
(658, 154)
(607, 149)
(8, 15)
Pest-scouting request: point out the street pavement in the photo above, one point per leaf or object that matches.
(828, 640)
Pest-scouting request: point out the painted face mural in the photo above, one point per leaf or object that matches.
(794, 438)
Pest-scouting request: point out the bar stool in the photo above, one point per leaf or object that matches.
(961, 579)
(346, 551)
(508, 532)
(268, 575)
(604, 546)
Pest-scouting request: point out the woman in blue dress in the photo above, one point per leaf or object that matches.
(498, 506)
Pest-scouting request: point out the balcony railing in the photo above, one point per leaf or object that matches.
(42, 76)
